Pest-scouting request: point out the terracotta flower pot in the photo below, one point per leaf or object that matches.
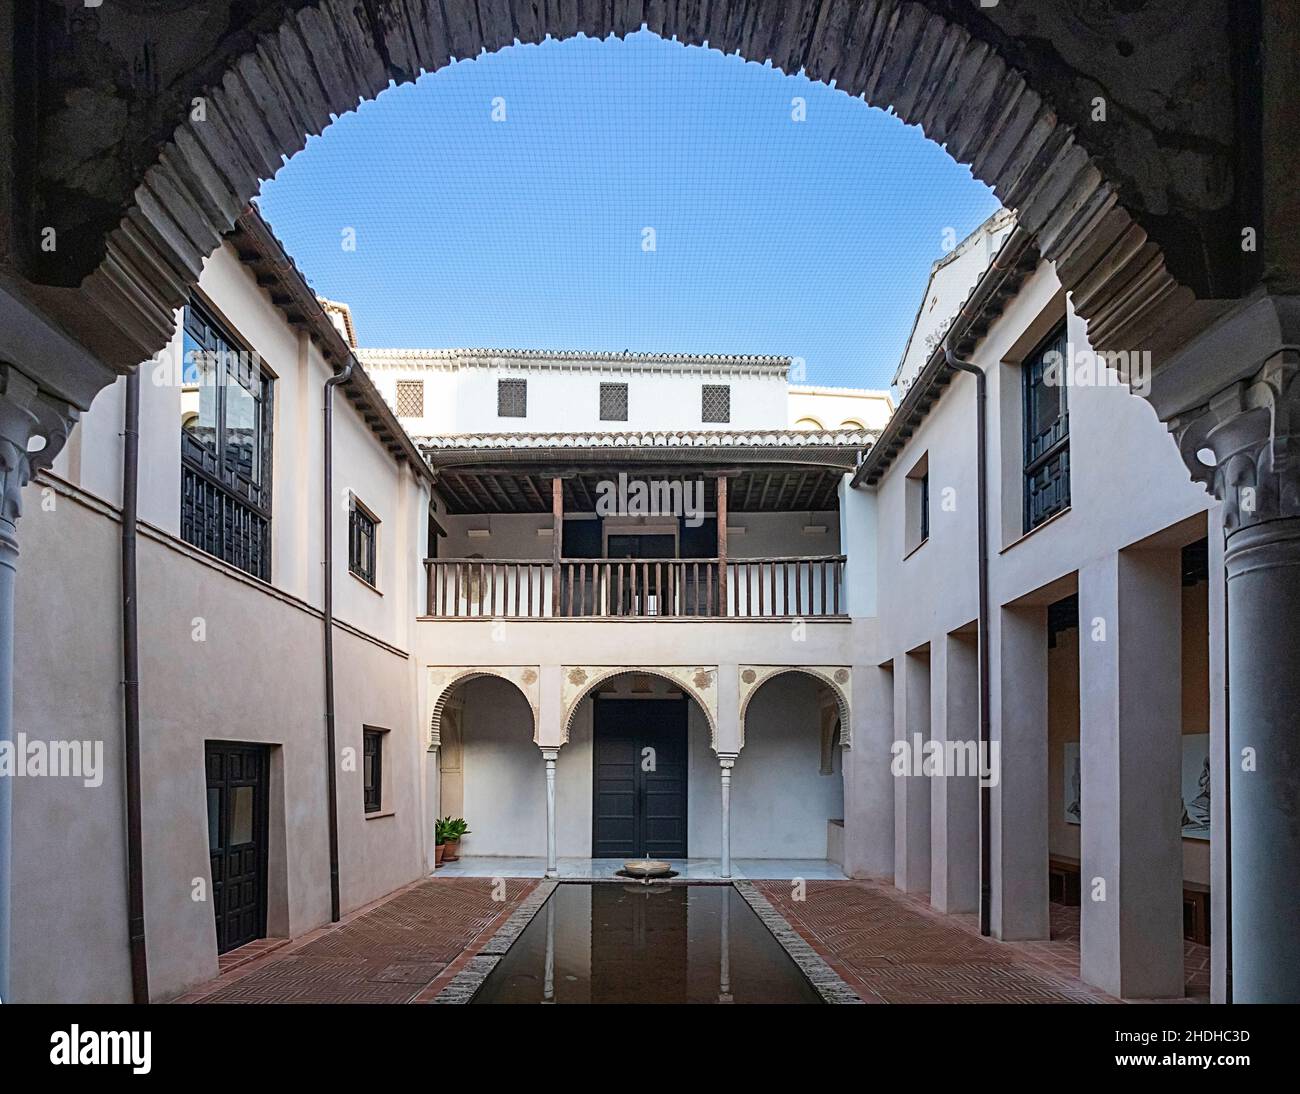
(438, 849)
(451, 850)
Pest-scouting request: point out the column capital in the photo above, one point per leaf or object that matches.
(1251, 433)
(549, 754)
(27, 414)
(727, 760)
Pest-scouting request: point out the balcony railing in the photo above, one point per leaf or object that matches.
(598, 588)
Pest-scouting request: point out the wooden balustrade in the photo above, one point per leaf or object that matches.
(595, 588)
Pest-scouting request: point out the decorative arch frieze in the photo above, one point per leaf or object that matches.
(445, 679)
(838, 678)
(700, 682)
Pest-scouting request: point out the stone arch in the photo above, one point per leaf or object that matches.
(443, 682)
(838, 678)
(934, 68)
(700, 682)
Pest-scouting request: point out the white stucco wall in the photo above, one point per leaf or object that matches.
(223, 657)
(460, 394)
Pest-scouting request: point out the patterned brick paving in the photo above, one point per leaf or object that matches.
(893, 947)
(404, 948)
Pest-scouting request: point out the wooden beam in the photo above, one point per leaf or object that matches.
(557, 538)
(722, 545)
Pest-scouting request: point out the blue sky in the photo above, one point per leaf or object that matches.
(809, 238)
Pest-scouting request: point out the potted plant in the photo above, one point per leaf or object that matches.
(453, 829)
(439, 842)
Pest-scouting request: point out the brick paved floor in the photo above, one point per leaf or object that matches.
(401, 949)
(892, 947)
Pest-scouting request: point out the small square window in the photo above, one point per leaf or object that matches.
(512, 398)
(410, 398)
(613, 402)
(715, 403)
(372, 769)
(361, 542)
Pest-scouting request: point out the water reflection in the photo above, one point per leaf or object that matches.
(609, 943)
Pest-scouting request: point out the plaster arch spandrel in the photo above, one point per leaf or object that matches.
(444, 679)
(838, 678)
(700, 682)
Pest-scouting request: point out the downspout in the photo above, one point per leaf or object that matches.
(131, 690)
(331, 774)
(986, 724)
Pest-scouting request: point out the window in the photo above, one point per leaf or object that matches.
(512, 398)
(372, 769)
(226, 426)
(410, 398)
(1046, 431)
(613, 402)
(916, 505)
(715, 403)
(361, 542)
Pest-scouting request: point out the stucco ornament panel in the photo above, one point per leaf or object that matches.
(700, 682)
(444, 679)
(838, 678)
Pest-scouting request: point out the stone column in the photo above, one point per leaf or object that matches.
(432, 798)
(726, 761)
(550, 755)
(33, 428)
(1130, 758)
(1245, 443)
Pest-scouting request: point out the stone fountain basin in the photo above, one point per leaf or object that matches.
(647, 868)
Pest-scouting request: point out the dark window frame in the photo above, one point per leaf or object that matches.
(616, 390)
(363, 553)
(718, 391)
(226, 507)
(925, 507)
(372, 777)
(1045, 471)
(505, 387)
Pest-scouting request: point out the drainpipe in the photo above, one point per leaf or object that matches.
(131, 691)
(985, 730)
(331, 774)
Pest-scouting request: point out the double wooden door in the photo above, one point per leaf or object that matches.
(639, 778)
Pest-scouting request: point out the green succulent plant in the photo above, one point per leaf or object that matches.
(450, 829)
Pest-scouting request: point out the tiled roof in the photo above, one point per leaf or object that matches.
(681, 438)
(570, 359)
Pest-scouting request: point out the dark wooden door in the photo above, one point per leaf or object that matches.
(237, 814)
(639, 778)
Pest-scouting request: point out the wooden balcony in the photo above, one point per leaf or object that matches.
(597, 588)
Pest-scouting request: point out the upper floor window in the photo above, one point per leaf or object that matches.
(410, 398)
(362, 526)
(226, 432)
(372, 769)
(613, 402)
(715, 403)
(1046, 431)
(916, 505)
(512, 398)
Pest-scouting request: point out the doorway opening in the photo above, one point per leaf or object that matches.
(238, 785)
(639, 778)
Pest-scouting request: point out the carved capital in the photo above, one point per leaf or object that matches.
(1244, 444)
(29, 419)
